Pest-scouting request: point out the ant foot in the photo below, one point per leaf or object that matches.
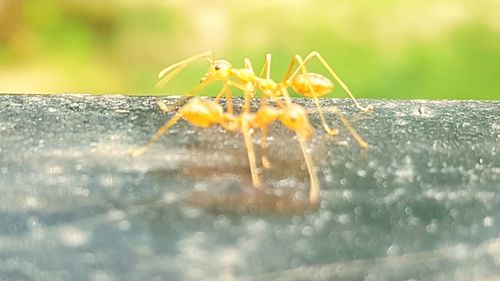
(333, 132)
(135, 152)
(265, 163)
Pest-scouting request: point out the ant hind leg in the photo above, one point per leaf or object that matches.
(315, 54)
(349, 127)
(303, 70)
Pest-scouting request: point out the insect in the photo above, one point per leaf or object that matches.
(205, 113)
(307, 84)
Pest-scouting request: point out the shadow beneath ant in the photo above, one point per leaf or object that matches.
(227, 184)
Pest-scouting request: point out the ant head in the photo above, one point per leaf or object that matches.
(295, 118)
(219, 70)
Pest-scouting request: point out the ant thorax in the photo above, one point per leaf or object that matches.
(244, 75)
(267, 84)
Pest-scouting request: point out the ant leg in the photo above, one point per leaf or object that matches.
(226, 91)
(276, 98)
(198, 87)
(314, 187)
(316, 55)
(267, 70)
(247, 91)
(245, 130)
(174, 107)
(288, 72)
(349, 127)
(285, 94)
(139, 151)
(221, 93)
(267, 67)
(185, 99)
(263, 146)
(229, 101)
(302, 68)
(171, 71)
(248, 64)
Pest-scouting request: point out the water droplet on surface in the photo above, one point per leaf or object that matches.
(103, 276)
(488, 221)
(347, 195)
(393, 250)
(32, 222)
(32, 202)
(343, 181)
(73, 237)
(361, 173)
(124, 225)
(432, 227)
(55, 170)
(307, 231)
(344, 218)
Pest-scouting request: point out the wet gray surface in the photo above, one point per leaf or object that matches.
(422, 203)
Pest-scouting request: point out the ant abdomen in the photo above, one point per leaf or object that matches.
(202, 113)
(320, 85)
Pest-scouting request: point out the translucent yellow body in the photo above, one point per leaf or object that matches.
(311, 85)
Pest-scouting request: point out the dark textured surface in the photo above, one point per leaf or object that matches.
(422, 203)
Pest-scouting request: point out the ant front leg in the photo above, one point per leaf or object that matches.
(226, 92)
(248, 91)
(163, 130)
(315, 54)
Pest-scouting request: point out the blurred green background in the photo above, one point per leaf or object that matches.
(381, 49)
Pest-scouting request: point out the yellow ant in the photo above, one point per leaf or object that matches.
(307, 84)
(204, 114)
